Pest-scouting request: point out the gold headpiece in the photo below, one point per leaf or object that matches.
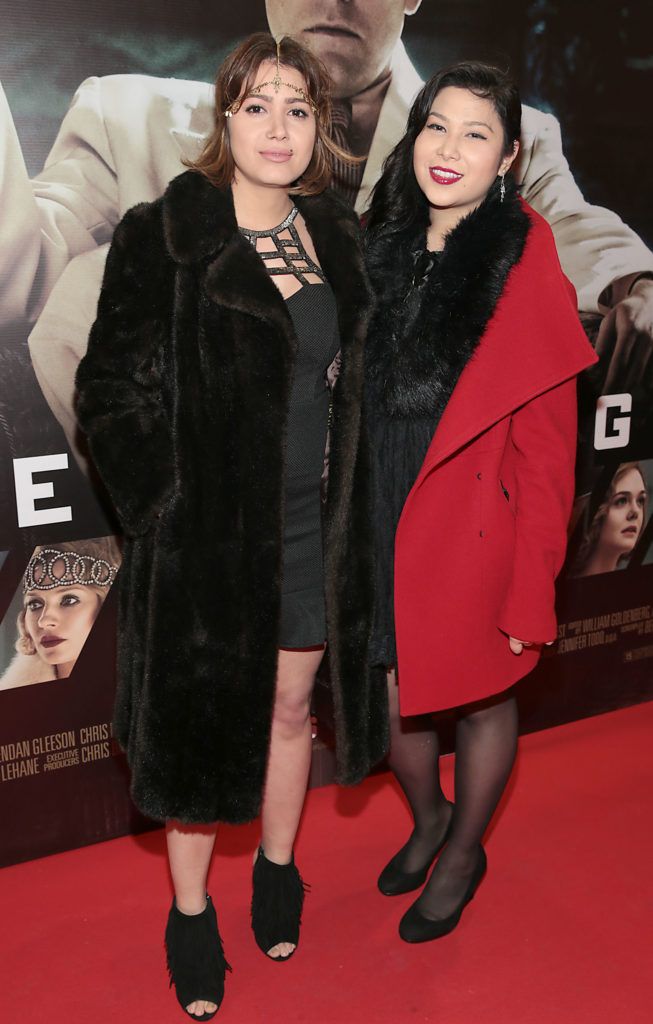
(51, 568)
(276, 82)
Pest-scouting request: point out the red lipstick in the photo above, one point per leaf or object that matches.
(49, 640)
(444, 175)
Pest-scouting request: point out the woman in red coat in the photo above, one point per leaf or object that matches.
(472, 360)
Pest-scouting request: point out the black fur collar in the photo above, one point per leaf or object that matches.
(414, 362)
(201, 229)
(200, 219)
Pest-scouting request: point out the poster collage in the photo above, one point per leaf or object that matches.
(98, 107)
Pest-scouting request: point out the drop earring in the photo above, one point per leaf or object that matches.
(502, 188)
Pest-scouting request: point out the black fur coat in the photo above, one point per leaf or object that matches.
(183, 395)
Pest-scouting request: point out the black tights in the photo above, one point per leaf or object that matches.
(486, 744)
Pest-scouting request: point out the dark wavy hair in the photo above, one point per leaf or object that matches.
(397, 200)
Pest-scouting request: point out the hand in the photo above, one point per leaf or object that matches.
(517, 646)
(625, 342)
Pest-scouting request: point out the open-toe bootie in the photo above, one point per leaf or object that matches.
(277, 901)
(196, 961)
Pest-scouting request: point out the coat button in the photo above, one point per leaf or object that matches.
(481, 533)
(479, 476)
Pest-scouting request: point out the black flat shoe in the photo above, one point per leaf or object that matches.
(393, 881)
(414, 927)
(277, 902)
(196, 961)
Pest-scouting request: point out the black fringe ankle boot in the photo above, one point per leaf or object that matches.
(196, 961)
(277, 901)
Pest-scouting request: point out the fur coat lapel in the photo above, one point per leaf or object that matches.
(233, 275)
(416, 360)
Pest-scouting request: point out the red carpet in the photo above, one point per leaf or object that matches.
(559, 932)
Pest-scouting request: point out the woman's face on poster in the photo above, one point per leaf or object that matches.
(460, 150)
(272, 134)
(624, 518)
(58, 622)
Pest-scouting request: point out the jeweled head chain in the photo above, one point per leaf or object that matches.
(276, 82)
(51, 568)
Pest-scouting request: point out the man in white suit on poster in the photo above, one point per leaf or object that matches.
(125, 136)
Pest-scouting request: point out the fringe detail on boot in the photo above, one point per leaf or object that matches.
(195, 957)
(277, 902)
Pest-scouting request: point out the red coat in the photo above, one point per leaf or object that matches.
(483, 532)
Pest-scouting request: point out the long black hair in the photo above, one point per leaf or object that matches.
(397, 200)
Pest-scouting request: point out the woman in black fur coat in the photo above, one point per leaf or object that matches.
(205, 401)
(472, 358)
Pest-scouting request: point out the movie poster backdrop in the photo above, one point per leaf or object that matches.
(584, 76)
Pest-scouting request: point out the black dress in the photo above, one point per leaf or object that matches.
(399, 446)
(314, 315)
(313, 312)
